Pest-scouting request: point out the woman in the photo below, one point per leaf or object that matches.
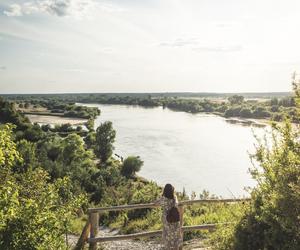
(172, 239)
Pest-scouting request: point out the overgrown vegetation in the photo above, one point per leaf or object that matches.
(272, 220)
(34, 213)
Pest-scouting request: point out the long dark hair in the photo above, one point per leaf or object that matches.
(168, 191)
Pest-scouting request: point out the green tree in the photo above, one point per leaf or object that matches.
(34, 214)
(105, 137)
(90, 139)
(236, 99)
(27, 150)
(274, 101)
(131, 165)
(246, 113)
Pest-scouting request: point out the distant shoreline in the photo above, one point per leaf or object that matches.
(166, 94)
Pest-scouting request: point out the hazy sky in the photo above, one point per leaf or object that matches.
(148, 45)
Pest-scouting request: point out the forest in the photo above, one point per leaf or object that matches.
(50, 178)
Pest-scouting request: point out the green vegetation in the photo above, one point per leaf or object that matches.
(131, 165)
(272, 219)
(105, 137)
(34, 214)
(49, 176)
(55, 107)
(271, 106)
(75, 168)
(49, 179)
(237, 107)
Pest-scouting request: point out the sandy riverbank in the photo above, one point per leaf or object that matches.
(46, 119)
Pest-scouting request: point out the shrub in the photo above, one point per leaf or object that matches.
(131, 165)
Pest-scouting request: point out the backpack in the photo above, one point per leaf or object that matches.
(173, 215)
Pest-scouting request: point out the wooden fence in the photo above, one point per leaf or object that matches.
(92, 225)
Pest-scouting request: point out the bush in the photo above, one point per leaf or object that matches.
(246, 113)
(131, 165)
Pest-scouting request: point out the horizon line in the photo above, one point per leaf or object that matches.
(164, 92)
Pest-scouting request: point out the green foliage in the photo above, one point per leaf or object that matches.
(131, 165)
(90, 125)
(245, 113)
(236, 99)
(90, 139)
(69, 157)
(8, 114)
(272, 221)
(105, 137)
(276, 107)
(27, 150)
(34, 214)
(8, 153)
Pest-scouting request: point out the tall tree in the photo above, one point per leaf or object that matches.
(105, 137)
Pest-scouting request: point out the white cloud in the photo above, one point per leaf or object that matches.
(230, 48)
(196, 44)
(59, 8)
(75, 8)
(181, 42)
(14, 10)
(2, 68)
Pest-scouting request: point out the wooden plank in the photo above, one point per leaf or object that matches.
(151, 233)
(153, 205)
(181, 211)
(84, 236)
(190, 202)
(94, 220)
(123, 207)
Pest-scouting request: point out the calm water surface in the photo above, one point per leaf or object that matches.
(194, 151)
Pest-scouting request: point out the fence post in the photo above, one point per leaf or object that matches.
(84, 236)
(94, 220)
(180, 208)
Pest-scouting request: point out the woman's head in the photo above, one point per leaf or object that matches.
(168, 191)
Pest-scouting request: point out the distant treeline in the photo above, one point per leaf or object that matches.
(273, 106)
(72, 96)
(67, 109)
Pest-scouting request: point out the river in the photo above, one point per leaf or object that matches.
(191, 151)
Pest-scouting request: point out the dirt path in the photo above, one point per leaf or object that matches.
(136, 244)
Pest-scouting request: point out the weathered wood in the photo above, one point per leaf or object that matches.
(150, 234)
(181, 210)
(94, 220)
(201, 201)
(122, 207)
(84, 236)
(153, 205)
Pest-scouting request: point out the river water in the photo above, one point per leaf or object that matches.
(191, 151)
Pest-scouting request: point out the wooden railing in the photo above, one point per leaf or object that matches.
(92, 225)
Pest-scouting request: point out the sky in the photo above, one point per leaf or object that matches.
(59, 46)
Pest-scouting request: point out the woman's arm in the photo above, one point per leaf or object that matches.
(158, 201)
(176, 200)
